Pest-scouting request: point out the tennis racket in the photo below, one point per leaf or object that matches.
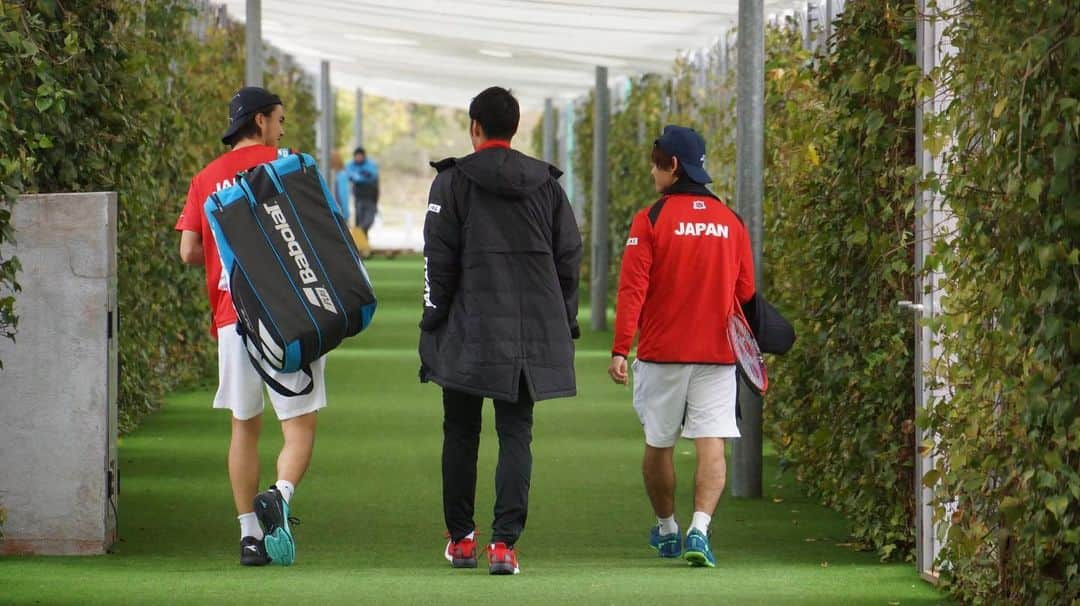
(747, 354)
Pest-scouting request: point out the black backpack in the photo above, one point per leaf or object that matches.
(774, 334)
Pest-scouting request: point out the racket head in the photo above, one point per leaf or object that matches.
(747, 354)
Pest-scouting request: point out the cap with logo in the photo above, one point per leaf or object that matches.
(244, 104)
(688, 146)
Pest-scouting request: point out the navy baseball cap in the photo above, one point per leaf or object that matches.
(244, 103)
(688, 146)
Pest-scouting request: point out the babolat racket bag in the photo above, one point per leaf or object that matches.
(296, 278)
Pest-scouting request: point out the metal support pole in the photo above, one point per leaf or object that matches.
(571, 180)
(830, 14)
(253, 62)
(933, 223)
(807, 26)
(924, 58)
(725, 60)
(325, 131)
(601, 249)
(549, 131)
(358, 120)
(749, 164)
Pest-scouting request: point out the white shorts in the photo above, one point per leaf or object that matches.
(698, 399)
(240, 388)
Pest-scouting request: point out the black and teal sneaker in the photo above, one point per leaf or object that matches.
(273, 514)
(666, 545)
(698, 552)
(253, 552)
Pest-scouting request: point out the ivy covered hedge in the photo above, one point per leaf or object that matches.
(839, 251)
(840, 186)
(1008, 481)
(122, 96)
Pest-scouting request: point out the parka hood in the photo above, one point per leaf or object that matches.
(506, 172)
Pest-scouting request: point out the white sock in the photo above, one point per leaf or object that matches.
(668, 525)
(249, 525)
(286, 489)
(471, 535)
(701, 522)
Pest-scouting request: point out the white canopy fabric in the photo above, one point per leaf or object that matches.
(445, 51)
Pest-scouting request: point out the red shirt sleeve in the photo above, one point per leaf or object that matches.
(744, 283)
(633, 283)
(191, 217)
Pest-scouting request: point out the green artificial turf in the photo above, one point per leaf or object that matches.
(370, 506)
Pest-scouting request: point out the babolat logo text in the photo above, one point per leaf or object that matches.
(316, 295)
(307, 275)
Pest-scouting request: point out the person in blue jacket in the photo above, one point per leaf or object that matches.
(364, 176)
(342, 186)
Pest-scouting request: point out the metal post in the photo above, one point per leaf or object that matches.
(325, 131)
(549, 131)
(924, 58)
(725, 64)
(933, 223)
(601, 252)
(571, 180)
(807, 27)
(358, 120)
(253, 62)
(749, 164)
(830, 14)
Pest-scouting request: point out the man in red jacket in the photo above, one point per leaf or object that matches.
(686, 267)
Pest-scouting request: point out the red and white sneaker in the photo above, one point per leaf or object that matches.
(461, 554)
(502, 559)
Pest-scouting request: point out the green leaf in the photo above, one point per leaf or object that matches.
(1011, 508)
(1064, 156)
(1057, 505)
(1053, 460)
(857, 82)
(1034, 188)
(999, 107)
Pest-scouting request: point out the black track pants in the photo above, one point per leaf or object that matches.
(461, 442)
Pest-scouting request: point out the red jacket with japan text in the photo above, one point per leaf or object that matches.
(687, 260)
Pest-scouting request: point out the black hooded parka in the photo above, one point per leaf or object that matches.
(502, 255)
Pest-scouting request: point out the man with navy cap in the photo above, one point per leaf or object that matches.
(686, 265)
(256, 126)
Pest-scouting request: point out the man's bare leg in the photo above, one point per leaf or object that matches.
(272, 506)
(295, 456)
(658, 470)
(709, 481)
(244, 462)
(710, 475)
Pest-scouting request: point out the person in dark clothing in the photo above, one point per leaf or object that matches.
(502, 255)
(364, 175)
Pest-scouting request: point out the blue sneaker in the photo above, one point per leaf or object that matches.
(273, 514)
(666, 545)
(698, 552)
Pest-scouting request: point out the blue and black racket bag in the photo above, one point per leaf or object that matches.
(296, 278)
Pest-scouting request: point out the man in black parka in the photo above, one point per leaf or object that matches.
(502, 253)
